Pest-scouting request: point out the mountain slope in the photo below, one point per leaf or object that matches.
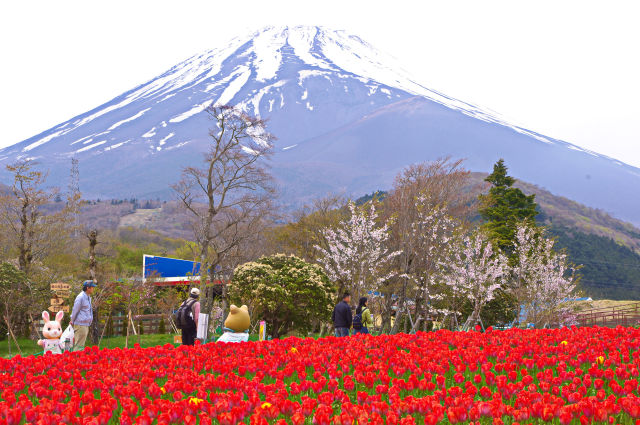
(347, 118)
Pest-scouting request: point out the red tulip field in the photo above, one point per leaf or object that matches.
(566, 376)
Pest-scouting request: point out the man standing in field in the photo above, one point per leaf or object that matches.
(82, 315)
(342, 316)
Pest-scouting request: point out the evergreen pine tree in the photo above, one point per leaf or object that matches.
(504, 207)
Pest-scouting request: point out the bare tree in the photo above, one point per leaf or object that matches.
(92, 236)
(307, 228)
(229, 197)
(36, 232)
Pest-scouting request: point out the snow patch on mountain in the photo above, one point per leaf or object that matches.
(234, 87)
(191, 112)
(306, 73)
(257, 98)
(117, 145)
(150, 133)
(42, 141)
(164, 139)
(126, 120)
(86, 148)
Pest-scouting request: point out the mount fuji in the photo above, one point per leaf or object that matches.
(347, 118)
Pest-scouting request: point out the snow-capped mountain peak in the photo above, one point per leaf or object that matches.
(346, 115)
(219, 75)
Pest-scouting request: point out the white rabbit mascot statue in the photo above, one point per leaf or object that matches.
(52, 331)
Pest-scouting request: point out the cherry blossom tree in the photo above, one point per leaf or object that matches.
(356, 256)
(433, 232)
(473, 272)
(543, 280)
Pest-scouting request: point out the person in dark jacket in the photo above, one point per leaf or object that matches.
(342, 316)
(190, 332)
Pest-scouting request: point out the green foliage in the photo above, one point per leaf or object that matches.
(500, 310)
(162, 328)
(610, 270)
(188, 251)
(505, 207)
(140, 328)
(11, 277)
(285, 291)
(128, 259)
(14, 294)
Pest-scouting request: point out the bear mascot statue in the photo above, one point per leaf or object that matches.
(236, 327)
(52, 331)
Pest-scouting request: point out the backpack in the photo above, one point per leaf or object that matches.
(357, 320)
(183, 317)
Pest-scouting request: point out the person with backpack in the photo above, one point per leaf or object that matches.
(362, 321)
(186, 317)
(342, 316)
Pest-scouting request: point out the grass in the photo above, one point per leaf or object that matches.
(30, 347)
(607, 304)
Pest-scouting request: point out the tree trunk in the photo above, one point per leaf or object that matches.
(8, 322)
(95, 327)
(93, 241)
(396, 323)
(385, 326)
(275, 329)
(23, 255)
(224, 296)
(126, 340)
(416, 324)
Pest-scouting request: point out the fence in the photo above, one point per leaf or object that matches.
(621, 315)
(144, 323)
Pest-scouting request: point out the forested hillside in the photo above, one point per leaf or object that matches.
(610, 270)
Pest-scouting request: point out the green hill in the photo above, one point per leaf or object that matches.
(610, 270)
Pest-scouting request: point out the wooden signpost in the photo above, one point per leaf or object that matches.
(62, 291)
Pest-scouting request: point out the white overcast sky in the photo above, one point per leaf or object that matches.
(567, 69)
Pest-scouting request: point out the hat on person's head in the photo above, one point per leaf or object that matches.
(89, 284)
(195, 292)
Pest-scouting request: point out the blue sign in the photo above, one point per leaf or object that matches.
(170, 270)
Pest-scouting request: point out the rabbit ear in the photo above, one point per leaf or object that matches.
(244, 307)
(59, 316)
(45, 316)
(233, 309)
